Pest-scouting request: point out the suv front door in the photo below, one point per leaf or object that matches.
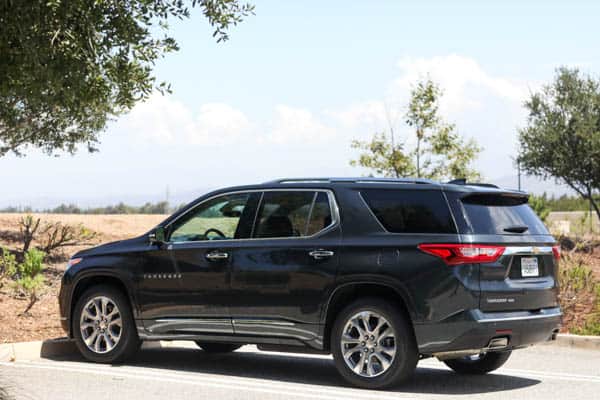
(199, 243)
(281, 277)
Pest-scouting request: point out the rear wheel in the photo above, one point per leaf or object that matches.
(479, 364)
(103, 325)
(218, 347)
(373, 344)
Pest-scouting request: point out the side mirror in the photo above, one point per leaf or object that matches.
(157, 236)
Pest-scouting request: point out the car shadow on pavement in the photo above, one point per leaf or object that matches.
(293, 368)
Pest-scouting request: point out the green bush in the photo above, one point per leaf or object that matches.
(29, 279)
(592, 323)
(539, 204)
(8, 266)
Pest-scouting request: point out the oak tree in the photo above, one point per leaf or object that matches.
(562, 137)
(67, 67)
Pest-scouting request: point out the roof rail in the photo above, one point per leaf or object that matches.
(463, 181)
(351, 180)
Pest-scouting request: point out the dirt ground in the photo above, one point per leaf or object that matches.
(43, 321)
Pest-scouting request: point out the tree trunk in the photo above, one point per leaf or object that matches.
(596, 208)
(32, 300)
(418, 156)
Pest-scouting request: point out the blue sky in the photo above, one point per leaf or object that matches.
(300, 80)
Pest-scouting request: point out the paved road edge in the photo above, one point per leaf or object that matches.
(65, 347)
(578, 341)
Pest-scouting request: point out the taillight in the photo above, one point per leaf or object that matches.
(454, 254)
(556, 252)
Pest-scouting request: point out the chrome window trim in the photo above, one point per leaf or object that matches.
(333, 207)
(371, 212)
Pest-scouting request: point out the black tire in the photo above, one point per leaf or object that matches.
(218, 347)
(403, 363)
(128, 342)
(487, 362)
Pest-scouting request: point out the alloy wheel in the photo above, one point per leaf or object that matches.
(100, 324)
(368, 344)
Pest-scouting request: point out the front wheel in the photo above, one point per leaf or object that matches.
(218, 347)
(103, 325)
(373, 344)
(479, 364)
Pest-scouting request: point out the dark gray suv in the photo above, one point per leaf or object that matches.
(378, 272)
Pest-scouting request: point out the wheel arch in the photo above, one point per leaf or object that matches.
(87, 281)
(350, 291)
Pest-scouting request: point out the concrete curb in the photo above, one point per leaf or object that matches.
(38, 349)
(65, 347)
(61, 347)
(578, 341)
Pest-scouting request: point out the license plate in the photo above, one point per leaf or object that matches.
(529, 267)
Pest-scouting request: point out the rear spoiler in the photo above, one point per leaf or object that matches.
(464, 183)
(496, 198)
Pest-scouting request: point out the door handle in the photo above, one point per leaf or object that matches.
(216, 256)
(321, 254)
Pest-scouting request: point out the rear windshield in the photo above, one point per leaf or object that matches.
(494, 214)
(410, 211)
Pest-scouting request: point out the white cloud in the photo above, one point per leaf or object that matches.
(159, 118)
(218, 124)
(369, 113)
(297, 125)
(463, 80)
(169, 121)
(483, 105)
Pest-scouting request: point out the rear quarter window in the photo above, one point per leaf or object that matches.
(410, 211)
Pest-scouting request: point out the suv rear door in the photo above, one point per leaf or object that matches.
(279, 278)
(524, 277)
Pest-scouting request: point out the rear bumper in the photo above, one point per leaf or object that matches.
(474, 330)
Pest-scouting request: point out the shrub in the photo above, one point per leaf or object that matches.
(28, 226)
(29, 279)
(8, 266)
(55, 235)
(50, 236)
(579, 296)
(539, 204)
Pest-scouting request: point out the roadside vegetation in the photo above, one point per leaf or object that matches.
(579, 279)
(35, 243)
(161, 207)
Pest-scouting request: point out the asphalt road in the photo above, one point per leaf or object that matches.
(542, 372)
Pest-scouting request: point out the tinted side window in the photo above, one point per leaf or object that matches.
(283, 214)
(410, 211)
(494, 214)
(216, 219)
(320, 216)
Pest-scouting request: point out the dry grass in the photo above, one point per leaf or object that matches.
(43, 321)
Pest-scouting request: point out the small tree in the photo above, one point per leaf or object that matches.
(29, 277)
(28, 227)
(56, 235)
(539, 204)
(562, 136)
(440, 153)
